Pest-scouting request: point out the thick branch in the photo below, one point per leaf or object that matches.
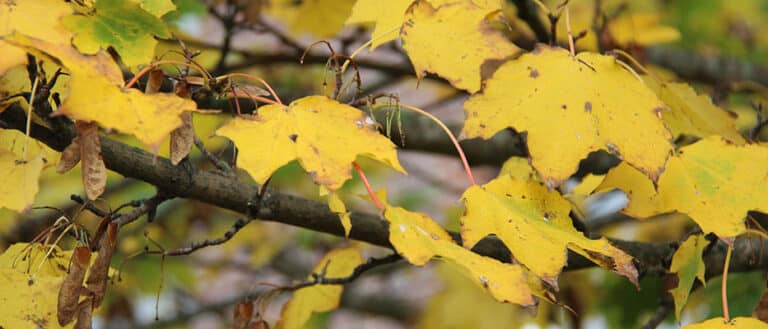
(233, 194)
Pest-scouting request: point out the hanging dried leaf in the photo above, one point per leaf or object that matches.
(70, 157)
(69, 293)
(97, 279)
(154, 82)
(182, 137)
(84, 314)
(94, 170)
(243, 314)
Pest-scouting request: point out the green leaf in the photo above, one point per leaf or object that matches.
(123, 25)
(688, 265)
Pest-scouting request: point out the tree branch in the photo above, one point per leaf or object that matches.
(231, 193)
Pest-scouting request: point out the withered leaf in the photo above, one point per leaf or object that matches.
(72, 285)
(97, 279)
(70, 157)
(183, 136)
(94, 170)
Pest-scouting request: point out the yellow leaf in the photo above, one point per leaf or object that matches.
(460, 304)
(19, 179)
(338, 263)
(157, 7)
(387, 16)
(517, 167)
(737, 323)
(320, 18)
(643, 200)
(418, 239)
(716, 183)
(641, 29)
(29, 295)
(570, 107)
(692, 114)
(323, 134)
(458, 55)
(37, 19)
(338, 207)
(534, 224)
(12, 56)
(688, 265)
(151, 118)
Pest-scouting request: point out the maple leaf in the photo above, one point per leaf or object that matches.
(123, 25)
(387, 16)
(19, 179)
(459, 55)
(569, 107)
(30, 300)
(688, 265)
(157, 7)
(641, 29)
(320, 18)
(534, 224)
(323, 134)
(736, 323)
(150, 118)
(338, 263)
(713, 181)
(16, 16)
(418, 239)
(692, 114)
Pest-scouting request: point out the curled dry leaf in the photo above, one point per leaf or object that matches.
(84, 314)
(97, 279)
(69, 293)
(183, 136)
(70, 157)
(94, 170)
(243, 314)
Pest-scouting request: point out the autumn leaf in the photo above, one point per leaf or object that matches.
(459, 55)
(71, 287)
(19, 179)
(157, 7)
(736, 323)
(641, 29)
(123, 25)
(320, 18)
(643, 199)
(99, 271)
(715, 183)
(338, 263)
(418, 239)
(12, 57)
(15, 16)
(150, 118)
(28, 295)
(712, 181)
(323, 134)
(534, 224)
(182, 137)
(687, 265)
(570, 107)
(387, 16)
(338, 207)
(94, 171)
(692, 114)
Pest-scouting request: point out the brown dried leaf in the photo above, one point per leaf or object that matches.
(183, 136)
(70, 157)
(97, 279)
(94, 170)
(72, 285)
(154, 82)
(243, 314)
(84, 314)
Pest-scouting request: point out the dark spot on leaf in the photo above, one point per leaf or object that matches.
(482, 126)
(534, 73)
(563, 106)
(293, 137)
(588, 107)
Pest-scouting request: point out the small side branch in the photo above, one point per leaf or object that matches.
(319, 278)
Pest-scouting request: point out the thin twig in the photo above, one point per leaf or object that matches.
(220, 164)
(665, 307)
(319, 278)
